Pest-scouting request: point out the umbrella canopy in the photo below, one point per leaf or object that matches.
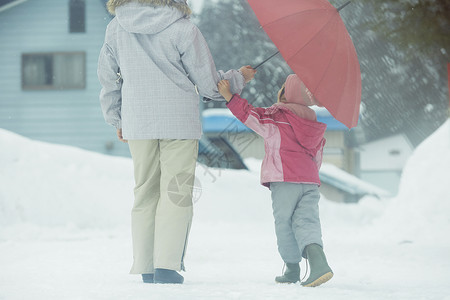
(313, 40)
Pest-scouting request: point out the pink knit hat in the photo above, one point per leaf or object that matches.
(296, 92)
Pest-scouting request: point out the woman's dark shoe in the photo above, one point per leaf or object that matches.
(147, 278)
(291, 274)
(167, 276)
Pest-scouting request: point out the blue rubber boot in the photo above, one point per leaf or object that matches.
(167, 276)
(147, 278)
(291, 274)
(320, 270)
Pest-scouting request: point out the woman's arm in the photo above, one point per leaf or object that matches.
(199, 64)
(110, 96)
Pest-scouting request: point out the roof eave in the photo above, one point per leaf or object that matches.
(11, 5)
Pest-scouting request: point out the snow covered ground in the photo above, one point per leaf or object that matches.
(64, 231)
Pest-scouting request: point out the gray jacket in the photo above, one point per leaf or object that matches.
(152, 60)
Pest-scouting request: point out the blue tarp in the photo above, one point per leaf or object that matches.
(224, 123)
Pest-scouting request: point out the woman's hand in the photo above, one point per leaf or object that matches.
(248, 72)
(119, 135)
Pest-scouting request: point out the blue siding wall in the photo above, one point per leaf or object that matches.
(71, 117)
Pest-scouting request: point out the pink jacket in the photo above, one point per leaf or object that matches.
(293, 145)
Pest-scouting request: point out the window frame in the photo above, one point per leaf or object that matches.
(31, 87)
(77, 25)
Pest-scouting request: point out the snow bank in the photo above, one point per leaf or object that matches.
(422, 208)
(54, 185)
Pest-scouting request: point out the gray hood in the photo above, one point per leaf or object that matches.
(148, 16)
(138, 18)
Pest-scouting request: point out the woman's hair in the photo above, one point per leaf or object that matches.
(283, 89)
(282, 92)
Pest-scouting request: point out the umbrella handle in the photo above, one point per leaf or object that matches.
(264, 61)
(344, 5)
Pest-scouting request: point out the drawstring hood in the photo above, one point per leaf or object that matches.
(297, 92)
(298, 98)
(148, 16)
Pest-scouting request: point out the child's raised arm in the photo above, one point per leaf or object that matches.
(254, 118)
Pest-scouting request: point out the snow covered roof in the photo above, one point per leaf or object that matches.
(7, 4)
(332, 175)
(221, 119)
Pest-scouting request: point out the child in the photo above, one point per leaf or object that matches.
(294, 144)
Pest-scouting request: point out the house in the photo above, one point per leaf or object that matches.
(382, 161)
(48, 84)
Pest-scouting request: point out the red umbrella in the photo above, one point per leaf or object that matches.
(312, 38)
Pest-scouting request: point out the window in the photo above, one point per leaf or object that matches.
(395, 152)
(77, 16)
(53, 71)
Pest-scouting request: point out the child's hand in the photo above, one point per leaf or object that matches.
(224, 89)
(248, 72)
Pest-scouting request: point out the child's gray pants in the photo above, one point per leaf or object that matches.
(296, 212)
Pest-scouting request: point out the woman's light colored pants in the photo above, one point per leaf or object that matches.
(164, 172)
(296, 212)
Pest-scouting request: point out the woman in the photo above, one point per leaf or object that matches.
(152, 59)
